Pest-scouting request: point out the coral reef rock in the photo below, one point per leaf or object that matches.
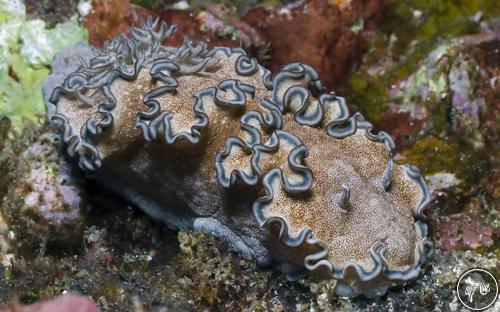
(45, 201)
(206, 139)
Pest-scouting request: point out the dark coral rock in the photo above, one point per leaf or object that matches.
(106, 21)
(404, 127)
(327, 41)
(51, 11)
(5, 152)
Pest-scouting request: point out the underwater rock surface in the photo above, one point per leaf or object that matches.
(45, 201)
(206, 140)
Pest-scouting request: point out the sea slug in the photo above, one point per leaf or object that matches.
(207, 139)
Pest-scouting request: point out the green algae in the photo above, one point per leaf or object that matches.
(26, 51)
(410, 31)
(433, 155)
(414, 64)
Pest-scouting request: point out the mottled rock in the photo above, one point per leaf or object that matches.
(45, 201)
(50, 11)
(105, 22)
(442, 116)
(442, 181)
(451, 84)
(327, 40)
(466, 233)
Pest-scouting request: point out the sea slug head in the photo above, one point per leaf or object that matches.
(354, 214)
(336, 203)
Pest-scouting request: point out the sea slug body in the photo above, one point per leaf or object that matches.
(207, 139)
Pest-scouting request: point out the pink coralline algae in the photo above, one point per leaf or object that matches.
(45, 200)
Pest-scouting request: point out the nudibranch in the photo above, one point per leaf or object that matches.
(209, 140)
